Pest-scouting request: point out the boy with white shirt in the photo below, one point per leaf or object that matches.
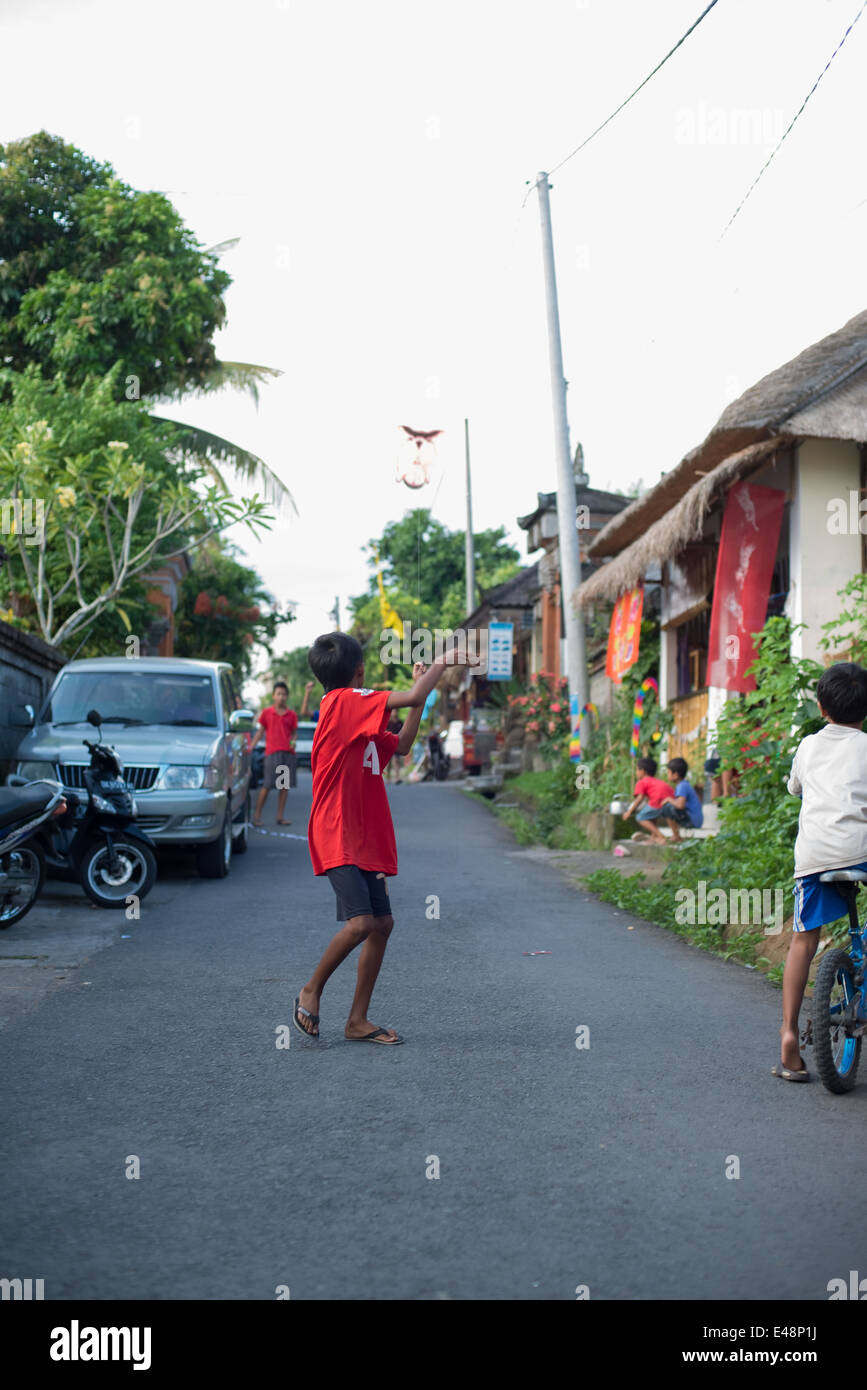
(829, 772)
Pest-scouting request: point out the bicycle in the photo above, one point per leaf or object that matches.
(836, 1027)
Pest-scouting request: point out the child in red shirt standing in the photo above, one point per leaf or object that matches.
(278, 723)
(350, 833)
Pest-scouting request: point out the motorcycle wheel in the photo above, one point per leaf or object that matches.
(25, 870)
(134, 877)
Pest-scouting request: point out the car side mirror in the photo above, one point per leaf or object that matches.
(241, 720)
(22, 717)
(16, 780)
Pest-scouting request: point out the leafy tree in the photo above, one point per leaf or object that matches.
(422, 564)
(94, 274)
(97, 496)
(423, 557)
(223, 611)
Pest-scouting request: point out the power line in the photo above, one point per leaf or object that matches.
(793, 120)
(610, 118)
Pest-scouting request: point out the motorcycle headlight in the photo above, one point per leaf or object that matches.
(101, 804)
(33, 771)
(181, 778)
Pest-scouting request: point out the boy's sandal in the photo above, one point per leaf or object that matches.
(786, 1075)
(378, 1036)
(296, 1010)
(284, 822)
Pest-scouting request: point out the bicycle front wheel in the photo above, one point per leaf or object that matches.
(836, 998)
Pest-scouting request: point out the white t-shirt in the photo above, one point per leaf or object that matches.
(829, 770)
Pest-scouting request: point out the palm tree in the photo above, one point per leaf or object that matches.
(213, 451)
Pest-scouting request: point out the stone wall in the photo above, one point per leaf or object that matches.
(27, 668)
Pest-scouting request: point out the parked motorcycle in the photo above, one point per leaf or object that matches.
(23, 813)
(96, 843)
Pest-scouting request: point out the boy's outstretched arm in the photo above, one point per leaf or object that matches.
(407, 736)
(421, 688)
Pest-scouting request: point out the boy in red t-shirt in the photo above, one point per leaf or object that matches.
(350, 833)
(278, 723)
(655, 792)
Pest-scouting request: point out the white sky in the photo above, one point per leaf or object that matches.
(373, 157)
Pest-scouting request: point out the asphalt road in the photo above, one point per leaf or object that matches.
(558, 1167)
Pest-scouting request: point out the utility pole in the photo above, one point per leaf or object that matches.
(335, 612)
(570, 554)
(470, 548)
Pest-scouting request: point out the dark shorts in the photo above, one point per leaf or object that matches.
(667, 811)
(273, 764)
(360, 892)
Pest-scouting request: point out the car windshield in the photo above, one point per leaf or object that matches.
(133, 696)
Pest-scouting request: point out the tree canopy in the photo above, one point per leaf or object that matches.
(224, 610)
(423, 570)
(97, 495)
(424, 559)
(94, 273)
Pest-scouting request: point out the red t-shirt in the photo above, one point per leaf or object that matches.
(350, 820)
(279, 730)
(656, 791)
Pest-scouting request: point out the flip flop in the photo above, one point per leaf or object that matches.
(296, 1010)
(378, 1036)
(284, 822)
(785, 1075)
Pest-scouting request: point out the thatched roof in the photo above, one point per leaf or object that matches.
(682, 524)
(821, 393)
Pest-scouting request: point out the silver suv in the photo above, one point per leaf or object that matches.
(179, 732)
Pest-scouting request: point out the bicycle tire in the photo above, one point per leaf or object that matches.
(825, 1035)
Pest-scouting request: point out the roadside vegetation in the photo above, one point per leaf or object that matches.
(757, 734)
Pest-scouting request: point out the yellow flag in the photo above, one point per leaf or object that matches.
(387, 613)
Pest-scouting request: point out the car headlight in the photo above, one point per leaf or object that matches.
(33, 771)
(214, 777)
(181, 778)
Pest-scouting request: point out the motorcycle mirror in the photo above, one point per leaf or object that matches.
(94, 717)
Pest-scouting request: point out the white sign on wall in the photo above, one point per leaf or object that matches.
(500, 651)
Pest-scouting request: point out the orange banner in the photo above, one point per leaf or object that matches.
(624, 633)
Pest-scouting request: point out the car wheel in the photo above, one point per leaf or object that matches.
(214, 859)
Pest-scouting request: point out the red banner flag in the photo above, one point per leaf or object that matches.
(624, 634)
(745, 564)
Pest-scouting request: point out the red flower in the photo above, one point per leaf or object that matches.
(555, 709)
(203, 605)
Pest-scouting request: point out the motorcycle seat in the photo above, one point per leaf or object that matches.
(17, 803)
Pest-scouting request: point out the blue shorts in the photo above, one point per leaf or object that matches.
(667, 811)
(817, 904)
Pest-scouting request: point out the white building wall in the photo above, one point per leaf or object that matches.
(821, 560)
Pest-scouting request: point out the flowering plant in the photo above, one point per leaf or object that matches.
(543, 712)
